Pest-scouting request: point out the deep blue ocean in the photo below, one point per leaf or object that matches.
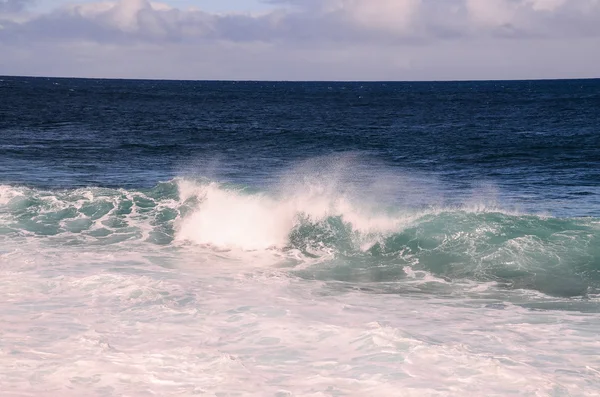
(299, 238)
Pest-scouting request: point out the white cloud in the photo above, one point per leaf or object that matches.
(335, 20)
(304, 37)
(390, 15)
(492, 13)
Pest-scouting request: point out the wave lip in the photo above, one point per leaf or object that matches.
(232, 218)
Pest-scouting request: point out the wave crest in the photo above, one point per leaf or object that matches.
(336, 234)
(235, 218)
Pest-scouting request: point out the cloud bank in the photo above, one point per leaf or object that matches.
(307, 39)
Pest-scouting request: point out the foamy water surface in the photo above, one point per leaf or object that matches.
(225, 306)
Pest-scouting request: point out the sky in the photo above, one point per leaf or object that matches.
(301, 39)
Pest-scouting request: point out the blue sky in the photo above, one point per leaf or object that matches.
(301, 39)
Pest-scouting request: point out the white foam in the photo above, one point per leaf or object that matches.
(7, 193)
(84, 329)
(229, 218)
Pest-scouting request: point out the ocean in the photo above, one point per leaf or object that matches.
(178, 238)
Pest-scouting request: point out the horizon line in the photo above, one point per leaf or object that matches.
(302, 81)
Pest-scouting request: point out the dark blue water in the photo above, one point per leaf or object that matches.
(536, 142)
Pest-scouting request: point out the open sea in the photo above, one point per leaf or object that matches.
(171, 238)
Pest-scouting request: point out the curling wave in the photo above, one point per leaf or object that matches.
(341, 237)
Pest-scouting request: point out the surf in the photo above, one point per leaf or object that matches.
(332, 233)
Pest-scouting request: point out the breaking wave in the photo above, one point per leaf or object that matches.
(339, 236)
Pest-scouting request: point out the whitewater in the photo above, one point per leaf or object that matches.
(309, 289)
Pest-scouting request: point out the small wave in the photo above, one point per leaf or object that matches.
(90, 215)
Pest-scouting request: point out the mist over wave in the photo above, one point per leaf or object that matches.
(335, 226)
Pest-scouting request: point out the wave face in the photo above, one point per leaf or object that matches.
(330, 233)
